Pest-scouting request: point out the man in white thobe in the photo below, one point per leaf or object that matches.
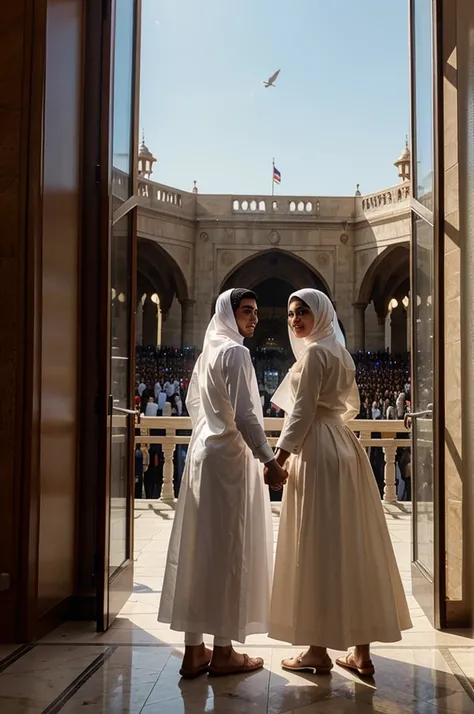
(151, 408)
(219, 566)
(157, 390)
(169, 389)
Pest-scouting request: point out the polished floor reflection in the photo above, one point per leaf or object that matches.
(133, 668)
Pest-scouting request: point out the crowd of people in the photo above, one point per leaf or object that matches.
(383, 380)
(162, 381)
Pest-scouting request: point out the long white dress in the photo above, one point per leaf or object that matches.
(336, 581)
(218, 573)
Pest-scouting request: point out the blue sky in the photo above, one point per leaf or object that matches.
(339, 113)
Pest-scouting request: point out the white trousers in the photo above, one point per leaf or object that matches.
(193, 639)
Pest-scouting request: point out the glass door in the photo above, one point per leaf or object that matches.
(117, 497)
(421, 419)
(426, 307)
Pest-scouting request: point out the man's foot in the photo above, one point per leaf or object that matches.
(308, 662)
(352, 661)
(195, 661)
(226, 661)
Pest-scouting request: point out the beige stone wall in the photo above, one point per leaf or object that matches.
(209, 236)
(452, 319)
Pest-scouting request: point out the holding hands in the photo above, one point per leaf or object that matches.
(274, 474)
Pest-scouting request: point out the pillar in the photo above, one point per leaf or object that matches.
(187, 323)
(399, 329)
(359, 326)
(150, 322)
(139, 324)
(171, 326)
(388, 332)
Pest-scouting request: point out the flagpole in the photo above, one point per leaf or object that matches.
(273, 177)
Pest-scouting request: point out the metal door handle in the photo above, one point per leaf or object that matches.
(132, 412)
(414, 415)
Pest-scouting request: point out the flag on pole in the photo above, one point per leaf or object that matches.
(276, 175)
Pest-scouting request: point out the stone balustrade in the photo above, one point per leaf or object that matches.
(389, 197)
(276, 205)
(169, 425)
(154, 195)
(159, 197)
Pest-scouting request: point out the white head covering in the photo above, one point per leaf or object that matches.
(223, 325)
(222, 331)
(326, 332)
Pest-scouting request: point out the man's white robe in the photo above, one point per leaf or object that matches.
(219, 567)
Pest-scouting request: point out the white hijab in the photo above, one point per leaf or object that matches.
(326, 332)
(222, 331)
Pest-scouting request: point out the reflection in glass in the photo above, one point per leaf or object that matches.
(423, 393)
(120, 388)
(423, 102)
(123, 92)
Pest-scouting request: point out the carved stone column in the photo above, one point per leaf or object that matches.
(359, 326)
(390, 490)
(167, 490)
(187, 322)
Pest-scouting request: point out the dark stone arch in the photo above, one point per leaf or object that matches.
(159, 272)
(275, 264)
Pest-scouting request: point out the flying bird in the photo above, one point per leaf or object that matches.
(271, 81)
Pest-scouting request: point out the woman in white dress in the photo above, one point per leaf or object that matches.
(336, 581)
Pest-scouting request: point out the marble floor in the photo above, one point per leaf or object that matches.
(133, 668)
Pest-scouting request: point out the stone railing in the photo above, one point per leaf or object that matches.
(388, 429)
(389, 197)
(276, 205)
(154, 195)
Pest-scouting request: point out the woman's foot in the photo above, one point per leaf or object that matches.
(358, 661)
(226, 661)
(195, 661)
(315, 660)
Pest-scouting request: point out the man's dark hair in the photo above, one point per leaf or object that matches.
(240, 294)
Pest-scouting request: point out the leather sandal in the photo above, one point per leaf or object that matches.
(195, 672)
(249, 665)
(295, 664)
(367, 668)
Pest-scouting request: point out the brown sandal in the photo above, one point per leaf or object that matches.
(295, 665)
(194, 673)
(366, 670)
(249, 665)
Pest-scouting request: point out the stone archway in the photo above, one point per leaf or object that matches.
(163, 297)
(273, 275)
(378, 324)
(278, 265)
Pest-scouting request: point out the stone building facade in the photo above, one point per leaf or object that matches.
(191, 246)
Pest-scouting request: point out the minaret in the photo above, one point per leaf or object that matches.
(145, 160)
(403, 163)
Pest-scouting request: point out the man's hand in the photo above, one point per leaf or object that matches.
(275, 476)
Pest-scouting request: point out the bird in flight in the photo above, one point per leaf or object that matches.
(271, 82)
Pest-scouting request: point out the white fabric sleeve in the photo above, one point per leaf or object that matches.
(192, 399)
(238, 374)
(301, 417)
